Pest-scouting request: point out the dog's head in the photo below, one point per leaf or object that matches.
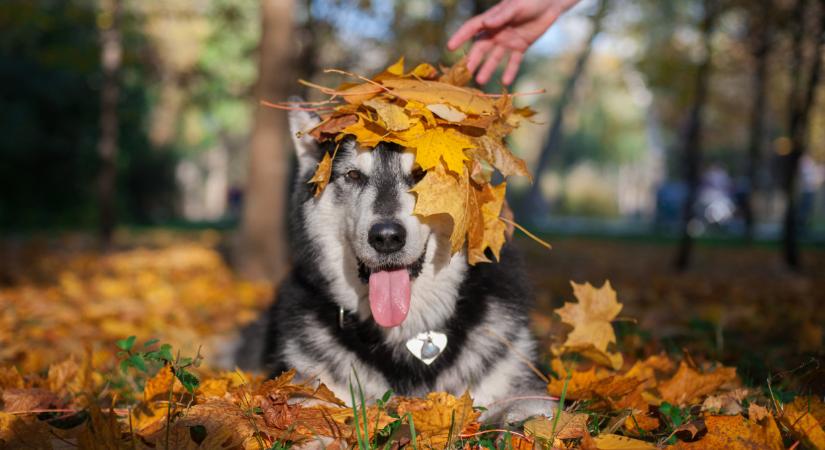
(373, 250)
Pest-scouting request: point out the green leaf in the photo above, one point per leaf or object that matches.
(385, 398)
(150, 343)
(126, 344)
(137, 362)
(187, 379)
(166, 352)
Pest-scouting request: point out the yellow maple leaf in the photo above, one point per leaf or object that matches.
(590, 318)
(439, 144)
(438, 416)
(440, 192)
(393, 115)
(366, 132)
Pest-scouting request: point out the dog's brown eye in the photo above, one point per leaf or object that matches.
(354, 175)
(418, 174)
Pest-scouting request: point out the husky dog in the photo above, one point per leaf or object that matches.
(375, 291)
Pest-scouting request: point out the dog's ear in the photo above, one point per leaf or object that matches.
(306, 147)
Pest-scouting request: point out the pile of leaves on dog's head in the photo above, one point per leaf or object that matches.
(456, 132)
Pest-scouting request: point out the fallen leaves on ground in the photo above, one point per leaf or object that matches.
(182, 292)
(73, 394)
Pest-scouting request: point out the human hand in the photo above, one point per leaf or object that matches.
(511, 27)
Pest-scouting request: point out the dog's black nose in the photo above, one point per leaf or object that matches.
(387, 237)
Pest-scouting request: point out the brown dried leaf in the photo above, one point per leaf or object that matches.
(689, 431)
(220, 416)
(332, 126)
(29, 399)
(492, 151)
(569, 426)
(688, 385)
(458, 74)
(23, 432)
(756, 412)
(727, 403)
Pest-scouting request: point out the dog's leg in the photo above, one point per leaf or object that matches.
(511, 391)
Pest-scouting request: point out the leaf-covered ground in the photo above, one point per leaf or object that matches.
(71, 376)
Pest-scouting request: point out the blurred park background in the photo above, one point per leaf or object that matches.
(680, 151)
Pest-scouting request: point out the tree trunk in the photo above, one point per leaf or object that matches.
(307, 58)
(760, 33)
(110, 62)
(535, 204)
(692, 150)
(263, 252)
(801, 101)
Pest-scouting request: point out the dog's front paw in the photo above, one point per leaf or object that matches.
(525, 409)
(518, 410)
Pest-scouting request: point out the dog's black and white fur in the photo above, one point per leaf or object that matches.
(482, 309)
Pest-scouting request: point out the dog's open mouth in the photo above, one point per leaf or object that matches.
(390, 290)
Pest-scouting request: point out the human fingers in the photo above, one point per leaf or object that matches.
(513, 64)
(465, 32)
(477, 52)
(490, 64)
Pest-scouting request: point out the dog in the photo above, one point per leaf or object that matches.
(376, 292)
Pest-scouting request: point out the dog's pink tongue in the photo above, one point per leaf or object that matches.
(390, 297)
